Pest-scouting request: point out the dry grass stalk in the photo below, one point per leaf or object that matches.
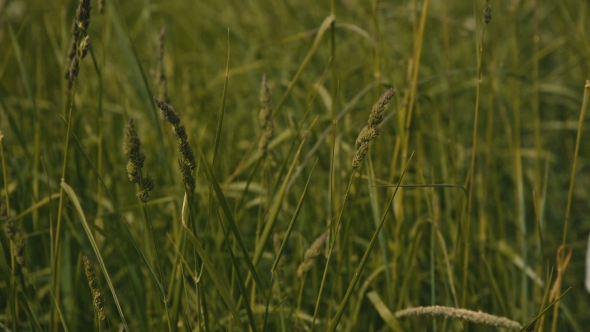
(96, 294)
(188, 162)
(464, 314)
(310, 254)
(265, 118)
(371, 130)
(135, 162)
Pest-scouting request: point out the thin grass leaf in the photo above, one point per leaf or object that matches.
(363, 262)
(241, 281)
(230, 219)
(287, 235)
(120, 214)
(74, 198)
(314, 47)
(532, 321)
(30, 314)
(384, 312)
(23, 71)
(276, 206)
(216, 277)
(140, 80)
(222, 107)
(382, 241)
(345, 110)
(61, 317)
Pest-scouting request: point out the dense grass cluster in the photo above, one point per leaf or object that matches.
(294, 165)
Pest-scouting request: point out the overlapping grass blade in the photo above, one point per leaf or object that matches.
(276, 206)
(363, 262)
(74, 198)
(222, 107)
(216, 277)
(287, 235)
(230, 219)
(314, 47)
(241, 282)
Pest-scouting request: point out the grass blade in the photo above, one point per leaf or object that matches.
(216, 277)
(230, 219)
(361, 266)
(314, 47)
(275, 208)
(222, 107)
(287, 235)
(74, 198)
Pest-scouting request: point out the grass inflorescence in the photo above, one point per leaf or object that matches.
(354, 164)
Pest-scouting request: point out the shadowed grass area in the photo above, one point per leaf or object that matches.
(263, 207)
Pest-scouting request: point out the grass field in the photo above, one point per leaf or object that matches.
(246, 165)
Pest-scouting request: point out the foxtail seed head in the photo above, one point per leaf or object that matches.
(371, 130)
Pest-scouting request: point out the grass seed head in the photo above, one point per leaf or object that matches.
(133, 152)
(78, 46)
(13, 233)
(188, 162)
(487, 12)
(147, 184)
(311, 253)
(265, 114)
(95, 289)
(265, 118)
(19, 246)
(135, 163)
(83, 49)
(464, 314)
(82, 18)
(169, 114)
(161, 79)
(371, 130)
(376, 116)
(187, 175)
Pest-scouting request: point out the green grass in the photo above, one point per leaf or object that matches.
(477, 179)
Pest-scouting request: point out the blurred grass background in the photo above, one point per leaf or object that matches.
(497, 254)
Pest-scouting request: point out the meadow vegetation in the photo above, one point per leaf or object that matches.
(294, 165)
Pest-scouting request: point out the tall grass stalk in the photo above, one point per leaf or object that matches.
(562, 258)
(363, 262)
(226, 239)
(479, 53)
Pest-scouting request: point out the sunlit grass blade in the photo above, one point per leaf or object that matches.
(89, 234)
